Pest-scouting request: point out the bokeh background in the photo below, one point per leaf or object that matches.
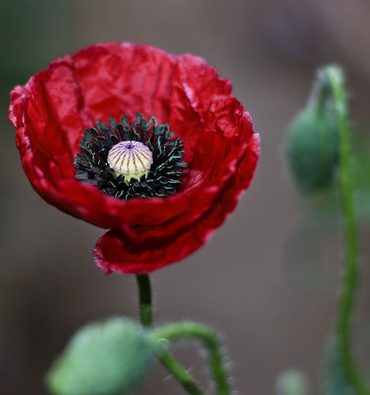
(269, 278)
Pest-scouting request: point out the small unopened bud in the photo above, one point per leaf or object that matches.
(311, 147)
(291, 382)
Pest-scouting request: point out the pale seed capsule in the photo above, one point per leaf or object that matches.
(131, 159)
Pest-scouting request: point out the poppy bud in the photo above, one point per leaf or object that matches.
(292, 382)
(102, 359)
(311, 148)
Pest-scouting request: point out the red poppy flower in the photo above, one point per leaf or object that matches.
(147, 232)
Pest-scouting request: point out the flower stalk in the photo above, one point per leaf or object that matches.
(145, 300)
(167, 360)
(333, 77)
(165, 334)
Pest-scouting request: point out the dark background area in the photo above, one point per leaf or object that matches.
(269, 278)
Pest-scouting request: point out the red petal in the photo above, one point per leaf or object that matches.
(101, 80)
(54, 107)
(14, 108)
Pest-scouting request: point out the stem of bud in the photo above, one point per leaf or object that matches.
(333, 78)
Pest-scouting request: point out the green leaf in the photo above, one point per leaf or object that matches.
(106, 358)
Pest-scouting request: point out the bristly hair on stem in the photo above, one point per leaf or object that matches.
(164, 175)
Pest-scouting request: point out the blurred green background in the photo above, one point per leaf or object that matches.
(269, 279)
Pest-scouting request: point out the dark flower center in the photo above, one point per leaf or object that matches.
(140, 159)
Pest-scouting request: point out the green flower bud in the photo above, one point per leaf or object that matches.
(311, 147)
(292, 382)
(106, 358)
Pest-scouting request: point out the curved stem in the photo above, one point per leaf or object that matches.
(187, 329)
(178, 372)
(336, 81)
(167, 360)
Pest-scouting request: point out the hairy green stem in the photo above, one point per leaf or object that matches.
(145, 299)
(168, 361)
(178, 372)
(187, 329)
(343, 329)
